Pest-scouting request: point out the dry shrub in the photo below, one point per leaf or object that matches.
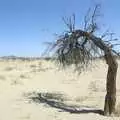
(93, 86)
(33, 66)
(2, 77)
(81, 99)
(23, 76)
(9, 68)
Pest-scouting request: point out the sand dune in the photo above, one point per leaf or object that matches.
(20, 81)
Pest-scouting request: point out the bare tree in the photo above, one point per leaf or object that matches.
(80, 47)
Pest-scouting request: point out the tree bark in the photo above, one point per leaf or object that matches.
(110, 99)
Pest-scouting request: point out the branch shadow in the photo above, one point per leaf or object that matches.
(59, 104)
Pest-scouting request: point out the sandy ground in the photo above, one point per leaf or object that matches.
(21, 79)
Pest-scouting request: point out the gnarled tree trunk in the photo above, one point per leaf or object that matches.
(110, 99)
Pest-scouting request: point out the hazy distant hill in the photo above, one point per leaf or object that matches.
(12, 57)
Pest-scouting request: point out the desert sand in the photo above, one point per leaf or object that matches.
(21, 81)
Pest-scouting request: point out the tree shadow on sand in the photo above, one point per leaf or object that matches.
(56, 100)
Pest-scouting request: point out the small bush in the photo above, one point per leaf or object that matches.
(9, 68)
(22, 76)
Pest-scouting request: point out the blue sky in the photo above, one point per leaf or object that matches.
(26, 24)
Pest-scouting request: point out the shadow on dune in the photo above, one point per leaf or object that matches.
(57, 102)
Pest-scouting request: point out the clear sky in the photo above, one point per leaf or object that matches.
(26, 24)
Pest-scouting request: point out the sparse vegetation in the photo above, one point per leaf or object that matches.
(67, 99)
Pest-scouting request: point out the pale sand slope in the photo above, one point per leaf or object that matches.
(18, 78)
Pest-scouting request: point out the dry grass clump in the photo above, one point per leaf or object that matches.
(81, 99)
(2, 77)
(93, 86)
(9, 68)
(23, 76)
(33, 66)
